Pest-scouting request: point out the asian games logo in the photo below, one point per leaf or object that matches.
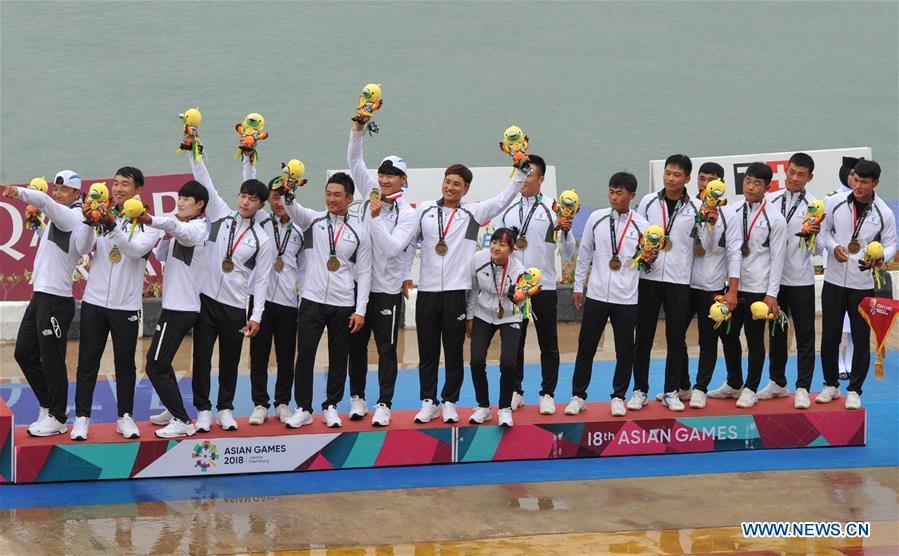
(204, 455)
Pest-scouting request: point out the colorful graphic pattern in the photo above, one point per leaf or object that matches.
(307, 451)
(7, 437)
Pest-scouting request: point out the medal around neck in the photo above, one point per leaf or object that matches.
(115, 255)
(854, 246)
(441, 248)
(615, 263)
(521, 242)
(279, 264)
(333, 263)
(228, 265)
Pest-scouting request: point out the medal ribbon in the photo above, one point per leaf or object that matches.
(441, 231)
(783, 205)
(856, 221)
(331, 240)
(281, 247)
(616, 248)
(748, 233)
(502, 282)
(233, 247)
(527, 222)
(670, 220)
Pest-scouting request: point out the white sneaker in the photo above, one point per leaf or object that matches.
(204, 421)
(79, 429)
(724, 392)
(176, 429)
(41, 415)
(427, 412)
(480, 415)
(517, 401)
(260, 412)
(576, 405)
(358, 408)
(162, 419)
(684, 395)
(381, 418)
(505, 417)
(226, 420)
(450, 415)
(282, 412)
(618, 409)
(772, 390)
(801, 400)
(332, 418)
(828, 394)
(47, 426)
(853, 401)
(672, 401)
(547, 405)
(637, 401)
(748, 398)
(300, 418)
(126, 427)
(697, 400)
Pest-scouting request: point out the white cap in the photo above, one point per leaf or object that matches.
(68, 178)
(396, 162)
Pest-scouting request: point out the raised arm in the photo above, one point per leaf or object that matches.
(567, 244)
(485, 210)
(63, 217)
(136, 246)
(188, 233)
(217, 207)
(162, 250)
(249, 170)
(86, 240)
(361, 177)
(301, 216)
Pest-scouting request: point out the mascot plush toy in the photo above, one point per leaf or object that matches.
(290, 179)
(515, 144)
(33, 219)
(650, 243)
(874, 258)
(369, 102)
(566, 206)
(720, 313)
(190, 140)
(814, 215)
(97, 197)
(133, 208)
(713, 196)
(527, 286)
(250, 131)
(760, 311)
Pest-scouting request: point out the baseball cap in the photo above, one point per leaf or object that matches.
(393, 165)
(68, 178)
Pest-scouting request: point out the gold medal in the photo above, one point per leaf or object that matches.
(854, 246)
(699, 250)
(333, 263)
(115, 255)
(668, 244)
(521, 242)
(745, 249)
(441, 248)
(279, 264)
(500, 312)
(228, 265)
(615, 263)
(375, 195)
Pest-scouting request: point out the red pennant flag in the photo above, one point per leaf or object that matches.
(880, 314)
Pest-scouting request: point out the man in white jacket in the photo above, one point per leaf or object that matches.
(112, 302)
(43, 333)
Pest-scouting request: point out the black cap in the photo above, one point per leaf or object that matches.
(849, 163)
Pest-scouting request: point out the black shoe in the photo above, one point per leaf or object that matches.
(844, 375)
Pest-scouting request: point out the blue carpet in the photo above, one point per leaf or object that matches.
(880, 399)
